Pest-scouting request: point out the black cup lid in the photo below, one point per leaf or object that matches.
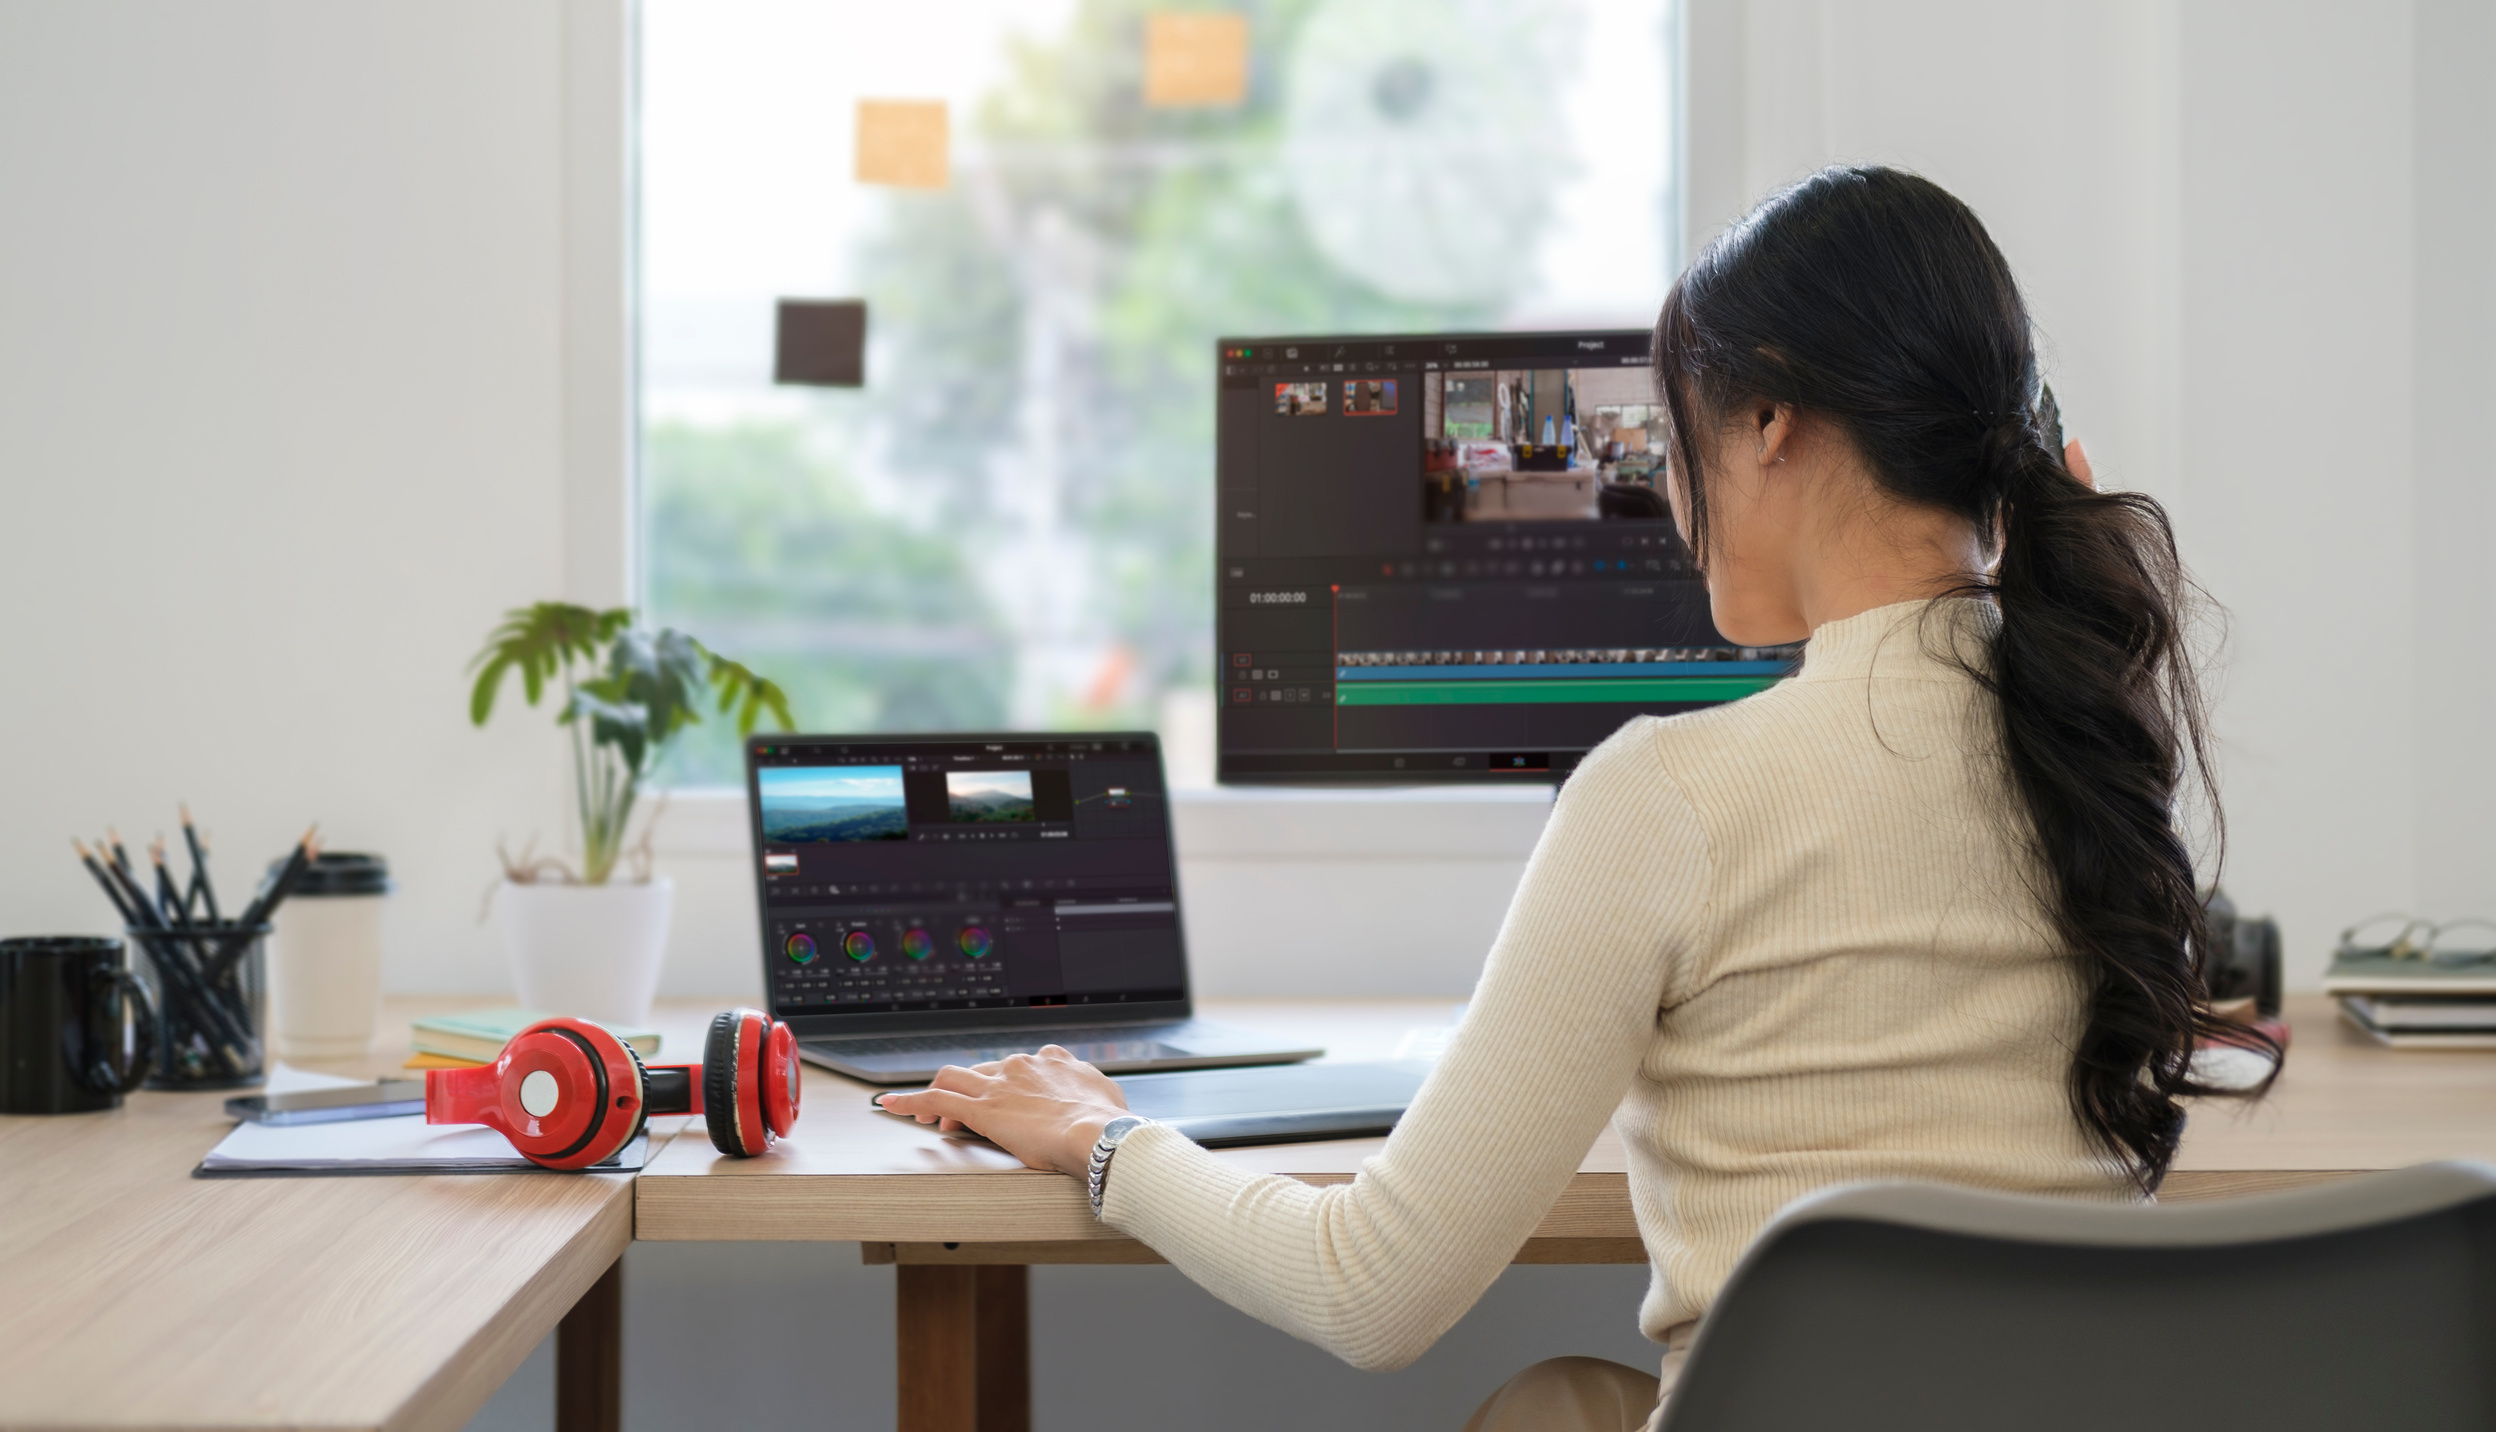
(341, 872)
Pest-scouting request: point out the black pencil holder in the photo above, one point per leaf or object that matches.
(211, 1004)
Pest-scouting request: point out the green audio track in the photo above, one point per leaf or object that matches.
(1557, 689)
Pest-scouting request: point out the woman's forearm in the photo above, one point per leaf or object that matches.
(1377, 1269)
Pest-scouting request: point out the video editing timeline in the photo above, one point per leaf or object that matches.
(970, 874)
(1450, 557)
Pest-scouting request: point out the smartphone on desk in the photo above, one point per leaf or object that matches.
(387, 1099)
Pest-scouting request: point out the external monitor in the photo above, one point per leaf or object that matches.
(1450, 558)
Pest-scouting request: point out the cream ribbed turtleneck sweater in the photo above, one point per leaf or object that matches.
(1780, 944)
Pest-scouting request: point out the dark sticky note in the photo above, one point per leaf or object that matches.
(822, 343)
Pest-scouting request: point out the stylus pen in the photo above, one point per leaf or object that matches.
(200, 882)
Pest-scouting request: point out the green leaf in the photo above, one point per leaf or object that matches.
(615, 719)
(641, 689)
(749, 693)
(481, 699)
(542, 643)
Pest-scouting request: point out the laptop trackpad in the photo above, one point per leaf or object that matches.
(1118, 1051)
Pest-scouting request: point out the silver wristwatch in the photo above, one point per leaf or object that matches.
(1113, 1134)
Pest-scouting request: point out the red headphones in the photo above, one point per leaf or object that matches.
(569, 1094)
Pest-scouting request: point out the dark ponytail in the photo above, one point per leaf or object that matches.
(1873, 299)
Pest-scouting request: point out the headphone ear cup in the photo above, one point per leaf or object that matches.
(719, 1084)
(641, 1097)
(615, 1075)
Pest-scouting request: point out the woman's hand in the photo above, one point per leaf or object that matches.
(1046, 1109)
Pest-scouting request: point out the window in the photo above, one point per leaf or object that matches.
(1010, 524)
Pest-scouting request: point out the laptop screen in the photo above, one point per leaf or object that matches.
(944, 881)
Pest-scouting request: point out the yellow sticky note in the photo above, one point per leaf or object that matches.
(902, 142)
(1195, 58)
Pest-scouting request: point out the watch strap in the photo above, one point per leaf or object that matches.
(1114, 1133)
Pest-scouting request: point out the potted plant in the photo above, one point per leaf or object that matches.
(581, 941)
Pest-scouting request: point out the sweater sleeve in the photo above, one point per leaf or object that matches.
(1376, 1270)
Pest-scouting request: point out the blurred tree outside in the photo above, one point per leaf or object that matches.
(866, 621)
(1012, 524)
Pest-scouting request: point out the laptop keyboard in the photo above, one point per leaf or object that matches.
(1124, 1042)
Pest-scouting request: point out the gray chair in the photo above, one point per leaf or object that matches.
(2364, 1303)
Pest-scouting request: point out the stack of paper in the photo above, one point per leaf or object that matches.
(404, 1144)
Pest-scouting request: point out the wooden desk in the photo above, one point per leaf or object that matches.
(135, 1296)
(964, 1221)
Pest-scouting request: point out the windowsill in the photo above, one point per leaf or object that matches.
(1275, 823)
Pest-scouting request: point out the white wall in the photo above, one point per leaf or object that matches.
(2253, 237)
(2301, 497)
(280, 434)
(2453, 375)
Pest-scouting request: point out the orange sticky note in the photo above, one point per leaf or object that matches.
(902, 142)
(1195, 58)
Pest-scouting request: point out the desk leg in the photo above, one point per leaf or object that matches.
(589, 1358)
(965, 1345)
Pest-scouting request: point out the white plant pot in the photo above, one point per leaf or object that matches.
(590, 951)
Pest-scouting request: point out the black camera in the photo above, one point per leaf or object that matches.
(2242, 959)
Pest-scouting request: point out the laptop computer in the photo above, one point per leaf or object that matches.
(931, 900)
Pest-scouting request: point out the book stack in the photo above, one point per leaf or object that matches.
(461, 1041)
(2410, 1002)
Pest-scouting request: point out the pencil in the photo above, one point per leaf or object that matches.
(137, 906)
(177, 912)
(200, 882)
(167, 950)
(112, 892)
(272, 894)
(121, 857)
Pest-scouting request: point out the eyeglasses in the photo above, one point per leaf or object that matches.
(2466, 941)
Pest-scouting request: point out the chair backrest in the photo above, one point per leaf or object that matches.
(2368, 1302)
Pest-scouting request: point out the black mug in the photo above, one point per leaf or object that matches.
(77, 1030)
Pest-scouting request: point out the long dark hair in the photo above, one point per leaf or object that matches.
(1874, 300)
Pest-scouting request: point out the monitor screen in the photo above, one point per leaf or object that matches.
(1450, 557)
(926, 876)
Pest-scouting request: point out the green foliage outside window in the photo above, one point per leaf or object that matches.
(1062, 296)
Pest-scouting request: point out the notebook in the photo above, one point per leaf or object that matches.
(2381, 974)
(480, 1034)
(2419, 1023)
